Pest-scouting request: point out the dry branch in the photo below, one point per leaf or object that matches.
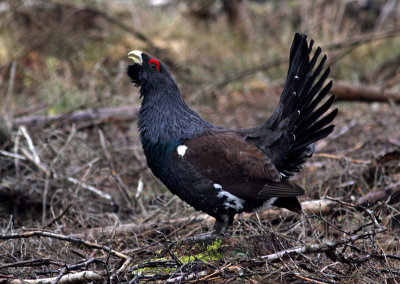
(79, 277)
(91, 189)
(70, 239)
(364, 38)
(121, 113)
(328, 246)
(340, 157)
(382, 194)
(187, 277)
(322, 206)
(359, 92)
(33, 262)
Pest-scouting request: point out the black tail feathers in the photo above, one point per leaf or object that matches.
(301, 103)
(302, 116)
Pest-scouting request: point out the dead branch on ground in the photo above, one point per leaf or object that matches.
(79, 277)
(88, 116)
(380, 195)
(359, 92)
(70, 239)
(324, 247)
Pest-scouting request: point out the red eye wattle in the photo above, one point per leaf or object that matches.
(154, 64)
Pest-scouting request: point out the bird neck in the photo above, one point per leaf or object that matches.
(164, 116)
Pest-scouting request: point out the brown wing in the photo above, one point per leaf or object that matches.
(240, 168)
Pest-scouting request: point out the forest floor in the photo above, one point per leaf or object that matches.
(59, 226)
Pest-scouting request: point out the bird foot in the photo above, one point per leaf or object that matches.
(219, 230)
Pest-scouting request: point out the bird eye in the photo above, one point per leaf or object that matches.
(154, 64)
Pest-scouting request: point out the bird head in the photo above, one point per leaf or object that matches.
(147, 70)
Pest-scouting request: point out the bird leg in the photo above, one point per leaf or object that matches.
(220, 228)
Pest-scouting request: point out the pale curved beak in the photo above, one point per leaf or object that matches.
(136, 56)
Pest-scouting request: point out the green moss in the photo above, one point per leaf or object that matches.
(156, 269)
(214, 247)
(207, 253)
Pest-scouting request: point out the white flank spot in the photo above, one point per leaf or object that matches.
(217, 186)
(232, 201)
(296, 77)
(181, 150)
(298, 111)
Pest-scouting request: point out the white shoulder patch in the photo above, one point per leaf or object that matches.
(181, 149)
(217, 186)
(232, 201)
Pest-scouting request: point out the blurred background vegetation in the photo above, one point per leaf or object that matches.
(61, 55)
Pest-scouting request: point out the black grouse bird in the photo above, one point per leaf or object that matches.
(221, 171)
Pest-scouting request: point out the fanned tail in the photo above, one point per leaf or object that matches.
(299, 120)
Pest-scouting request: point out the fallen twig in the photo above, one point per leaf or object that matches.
(79, 277)
(35, 156)
(381, 194)
(359, 92)
(187, 277)
(33, 262)
(121, 113)
(70, 239)
(364, 38)
(39, 165)
(320, 247)
(361, 208)
(12, 155)
(90, 188)
(336, 157)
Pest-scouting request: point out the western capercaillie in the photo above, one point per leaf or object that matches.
(221, 171)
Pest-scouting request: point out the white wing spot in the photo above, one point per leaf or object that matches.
(181, 149)
(232, 201)
(296, 77)
(271, 200)
(267, 204)
(217, 186)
